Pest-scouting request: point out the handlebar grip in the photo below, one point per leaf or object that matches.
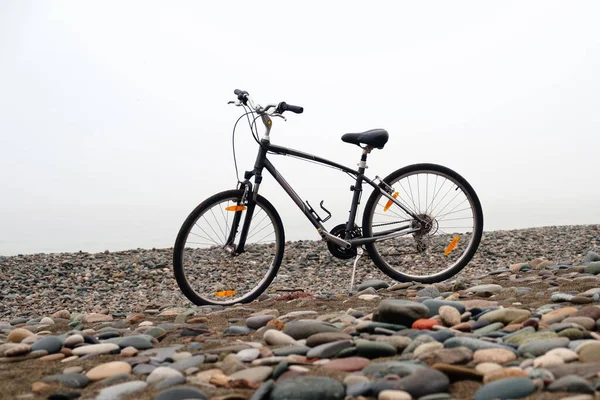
(242, 95)
(283, 106)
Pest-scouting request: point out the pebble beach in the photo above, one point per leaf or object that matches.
(522, 320)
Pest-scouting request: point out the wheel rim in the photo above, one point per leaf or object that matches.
(209, 267)
(442, 241)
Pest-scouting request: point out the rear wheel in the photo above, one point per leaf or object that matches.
(206, 267)
(447, 235)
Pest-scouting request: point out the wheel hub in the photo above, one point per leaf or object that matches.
(427, 226)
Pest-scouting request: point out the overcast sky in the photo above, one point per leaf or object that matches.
(114, 123)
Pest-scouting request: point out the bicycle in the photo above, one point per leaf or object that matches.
(217, 263)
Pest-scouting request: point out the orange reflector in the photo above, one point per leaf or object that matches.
(235, 208)
(451, 246)
(225, 293)
(390, 202)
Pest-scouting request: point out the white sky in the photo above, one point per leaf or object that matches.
(114, 122)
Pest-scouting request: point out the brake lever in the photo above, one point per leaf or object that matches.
(235, 102)
(279, 115)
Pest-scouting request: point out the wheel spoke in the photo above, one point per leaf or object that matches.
(218, 274)
(450, 227)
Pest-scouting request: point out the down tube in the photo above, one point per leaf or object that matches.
(288, 189)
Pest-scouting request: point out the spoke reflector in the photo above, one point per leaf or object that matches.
(452, 245)
(225, 293)
(390, 202)
(235, 208)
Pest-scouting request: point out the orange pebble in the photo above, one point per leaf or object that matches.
(424, 323)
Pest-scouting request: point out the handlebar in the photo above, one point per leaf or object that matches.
(244, 98)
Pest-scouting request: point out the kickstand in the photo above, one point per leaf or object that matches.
(359, 252)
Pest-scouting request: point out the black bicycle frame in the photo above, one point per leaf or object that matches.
(262, 162)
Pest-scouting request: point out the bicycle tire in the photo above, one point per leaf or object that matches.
(178, 250)
(465, 256)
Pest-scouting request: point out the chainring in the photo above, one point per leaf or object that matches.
(340, 252)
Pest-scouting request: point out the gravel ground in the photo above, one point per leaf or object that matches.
(136, 280)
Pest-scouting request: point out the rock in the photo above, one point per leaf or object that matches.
(566, 354)
(328, 350)
(457, 355)
(547, 360)
(426, 381)
(326, 337)
(304, 328)
(558, 315)
(39, 387)
(541, 346)
(236, 330)
(248, 355)
(275, 337)
(434, 305)
(372, 350)
(394, 395)
(107, 370)
(586, 322)
(429, 291)
(401, 312)
(121, 390)
(458, 372)
(491, 288)
(73, 340)
(293, 349)
(523, 336)
(592, 312)
(504, 373)
(487, 367)
(308, 388)
(425, 324)
(509, 388)
(349, 364)
(256, 374)
(571, 334)
(399, 342)
(51, 344)
(17, 335)
(589, 352)
(18, 350)
(505, 315)
(450, 315)
(231, 364)
(585, 370)
(473, 344)
(374, 283)
(561, 297)
(189, 362)
(571, 383)
(592, 268)
(94, 317)
(496, 355)
(258, 321)
(103, 348)
(61, 314)
(137, 342)
(180, 393)
(162, 373)
(76, 381)
(428, 347)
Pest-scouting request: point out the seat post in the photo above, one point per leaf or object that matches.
(362, 165)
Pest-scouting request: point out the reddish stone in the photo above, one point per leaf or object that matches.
(349, 364)
(424, 323)
(463, 327)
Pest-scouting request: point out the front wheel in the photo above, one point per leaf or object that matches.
(207, 267)
(445, 235)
